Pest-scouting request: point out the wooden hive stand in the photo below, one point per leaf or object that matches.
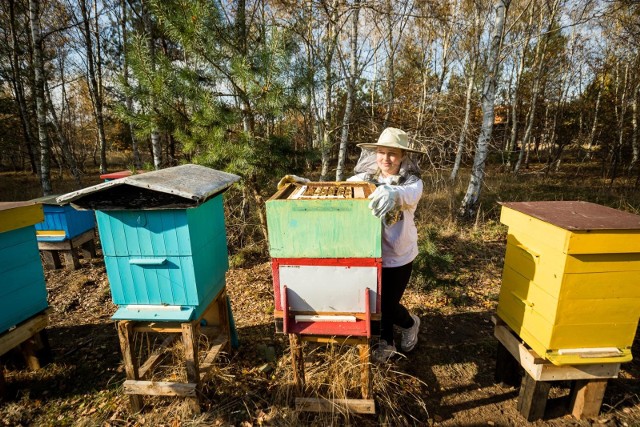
(68, 248)
(589, 381)
(366, 405)
(214, 324)
(31, 338)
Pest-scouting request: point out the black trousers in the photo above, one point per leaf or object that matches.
(394, 283)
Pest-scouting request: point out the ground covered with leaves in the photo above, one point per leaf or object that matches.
(448, 380)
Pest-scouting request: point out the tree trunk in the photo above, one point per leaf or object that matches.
(465, 125)
(351, 88)
(472, 196)
(18, 89)
(327, 132)
(391, 81)
(137, 162)
(94, 87)
(36, 40)
(62, 139)
(634, 126)
(594, 125)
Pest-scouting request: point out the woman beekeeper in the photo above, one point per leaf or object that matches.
(399, 188)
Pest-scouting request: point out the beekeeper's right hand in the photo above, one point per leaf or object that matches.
(287, 179)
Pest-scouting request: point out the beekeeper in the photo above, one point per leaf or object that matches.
(387, 164)
(395, 199)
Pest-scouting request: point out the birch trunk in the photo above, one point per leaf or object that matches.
(18, 88)
(327, 132)
(351, 87)
(594, 125)
(472, 196)
(634, 125)
(94, 87)
(465, 125)
(41, 114)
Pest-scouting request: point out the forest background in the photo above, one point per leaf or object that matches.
(264, 88)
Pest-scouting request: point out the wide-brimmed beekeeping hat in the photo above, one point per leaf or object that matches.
(391, 138)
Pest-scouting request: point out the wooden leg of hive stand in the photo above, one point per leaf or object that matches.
(52, 259)
(3, 383)
(44, 348)
(71, 259)
(507, 368)
(297, 360)
(190, 333)
(88, 249)
(586, 397)
(532, 400)
(125, 335)
(29, 352)
(223, 314)
(365, 374)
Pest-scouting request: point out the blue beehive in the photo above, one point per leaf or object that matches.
(23, 292)
(163, 240)
(61, 221)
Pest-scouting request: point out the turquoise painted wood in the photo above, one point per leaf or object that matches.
(323, 228)
(172, 257)
(64, 218)
(23, 291)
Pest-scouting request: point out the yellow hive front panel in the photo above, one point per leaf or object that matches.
(524, 225)
(531, 295)
(599, 263)
(607, 285)
(604, 242)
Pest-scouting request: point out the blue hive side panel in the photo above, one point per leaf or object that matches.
(67, 219)
(210, 255)
(23, 292)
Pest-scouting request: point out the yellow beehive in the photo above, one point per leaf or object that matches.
(571, 280)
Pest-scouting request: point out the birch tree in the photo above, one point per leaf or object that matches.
(41, 113)
(472, 195)
(351, 88)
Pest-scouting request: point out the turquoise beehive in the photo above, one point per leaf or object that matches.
(163, 240)
(23, 292)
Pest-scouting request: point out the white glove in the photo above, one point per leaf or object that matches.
(287, 179)
(383, 199)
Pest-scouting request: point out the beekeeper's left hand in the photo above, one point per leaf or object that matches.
(383, 199)
(287, 179)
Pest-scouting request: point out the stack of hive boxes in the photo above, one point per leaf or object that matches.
(326, 259)
(23, 292)
(163, 239)
(571, 280)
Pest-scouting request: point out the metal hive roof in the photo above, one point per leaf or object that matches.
(176, 187)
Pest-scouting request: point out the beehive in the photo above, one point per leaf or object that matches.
(61, 221)
(163, 239)
(326, 250)
(23, 292)
(570, 285)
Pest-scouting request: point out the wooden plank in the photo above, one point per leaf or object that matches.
(366, 385)
(533, 398)
(157, 357)
(297, 360)
(586, 398)
(358, 406)
(161, 327)
(65, 245)
(71, 259)
(358, 192)
(159, 388)
(507, 368)
(51, 259)
(125, 335)
(361, 316)
(543, 370)
(216, 348)
(190, 333)
(23, 332)
(326, 339)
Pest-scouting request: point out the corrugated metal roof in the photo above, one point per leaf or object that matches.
(175, 187)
